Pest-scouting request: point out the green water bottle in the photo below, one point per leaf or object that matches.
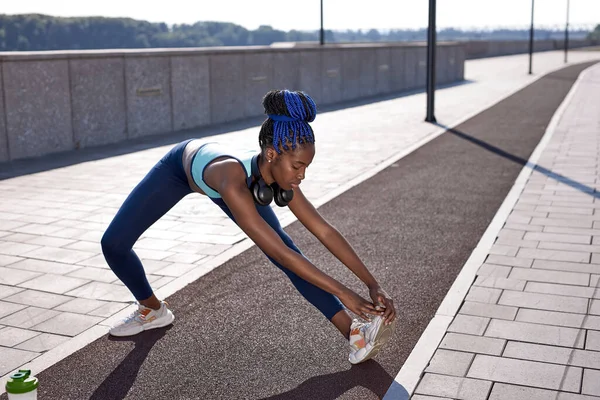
(22, 386)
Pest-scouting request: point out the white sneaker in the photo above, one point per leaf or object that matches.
(142, 319)
(367, 339)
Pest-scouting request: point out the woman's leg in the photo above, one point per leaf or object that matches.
(152, 198)
(329, 305)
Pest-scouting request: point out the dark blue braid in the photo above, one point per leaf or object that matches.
(293, 128)
(289, 116)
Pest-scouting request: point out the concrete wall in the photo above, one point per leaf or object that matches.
(480, 49)
(58, 101)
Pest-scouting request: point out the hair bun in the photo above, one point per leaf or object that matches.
(294, 104)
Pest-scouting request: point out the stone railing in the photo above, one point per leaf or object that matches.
(60, 101)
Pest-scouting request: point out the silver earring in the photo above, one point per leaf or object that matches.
(269, 160)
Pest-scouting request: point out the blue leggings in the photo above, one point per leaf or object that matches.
(163, 187)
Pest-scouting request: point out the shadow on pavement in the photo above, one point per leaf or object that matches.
(369, 375)
(557, 177)
(119, 382)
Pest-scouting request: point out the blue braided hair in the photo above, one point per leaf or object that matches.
(289, 114)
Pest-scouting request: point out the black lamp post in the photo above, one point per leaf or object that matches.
(531, 38)
(567, 31)
(322, 32)
(431, 50)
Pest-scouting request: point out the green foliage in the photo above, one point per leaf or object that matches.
(34, 32)
(594, 35)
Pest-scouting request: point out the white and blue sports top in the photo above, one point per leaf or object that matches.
(212, 150)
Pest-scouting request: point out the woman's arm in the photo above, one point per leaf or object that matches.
(335, 242)
(229, 180)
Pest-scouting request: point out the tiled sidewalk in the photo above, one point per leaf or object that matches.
(529, 327)
(56, 292)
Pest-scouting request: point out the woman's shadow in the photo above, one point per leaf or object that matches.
(369, 375)
(121, 379)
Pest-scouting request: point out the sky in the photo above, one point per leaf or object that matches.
(338, 14)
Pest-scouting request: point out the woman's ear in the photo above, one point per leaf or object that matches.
(271, 154)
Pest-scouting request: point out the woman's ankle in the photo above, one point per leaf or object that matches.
(151, 302)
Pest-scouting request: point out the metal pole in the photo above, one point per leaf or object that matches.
(567, 32)
(431, 50)
(531, 38)
(322, 33)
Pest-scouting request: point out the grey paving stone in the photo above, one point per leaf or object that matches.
(514, 243)
(473, 344)
(524, 227)
(502, 391)
(509, 261)
(552, 354)
(59, 255)
(495, 271)
(156, 244)
(42, 342)
(102, 291)
(468, 324)
(6, 291)
(12, 277)
(11, 336)
(185, 258)
(561, 222)
(80, 306)
(69, 233)
(569, 246)
(512, 233)
(95, 262)
(530, 373)
(108, 309)
(595, 307)
(592, 342)
(564, 290)
(555, 255)
(591, 382)
(504, 250)
(68, 324)
(50, 241)
(38, 299)
(94, 274)
(83, 245)
(446, 362)
(558, 237)
(53, 283)
(542, 275)
(27, 317)
(421, 397)
(11, 359)
(483, 294)
(8, 260)
(488, 310)
(500, 282)
(7, 308)
(544, 301)
(43, 266)
(40, 228)
(559, 319)
(20, 237)
(453, 387)
(534, 333)
(566, 266)
(565, 210)
(176, 269)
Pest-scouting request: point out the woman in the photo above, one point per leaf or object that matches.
(243, 184)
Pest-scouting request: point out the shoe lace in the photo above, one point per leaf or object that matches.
(136, 315)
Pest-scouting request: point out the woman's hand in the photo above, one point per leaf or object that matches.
(383, 300)
(358, 305)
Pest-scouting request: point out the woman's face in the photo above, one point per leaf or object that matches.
(289, 167)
